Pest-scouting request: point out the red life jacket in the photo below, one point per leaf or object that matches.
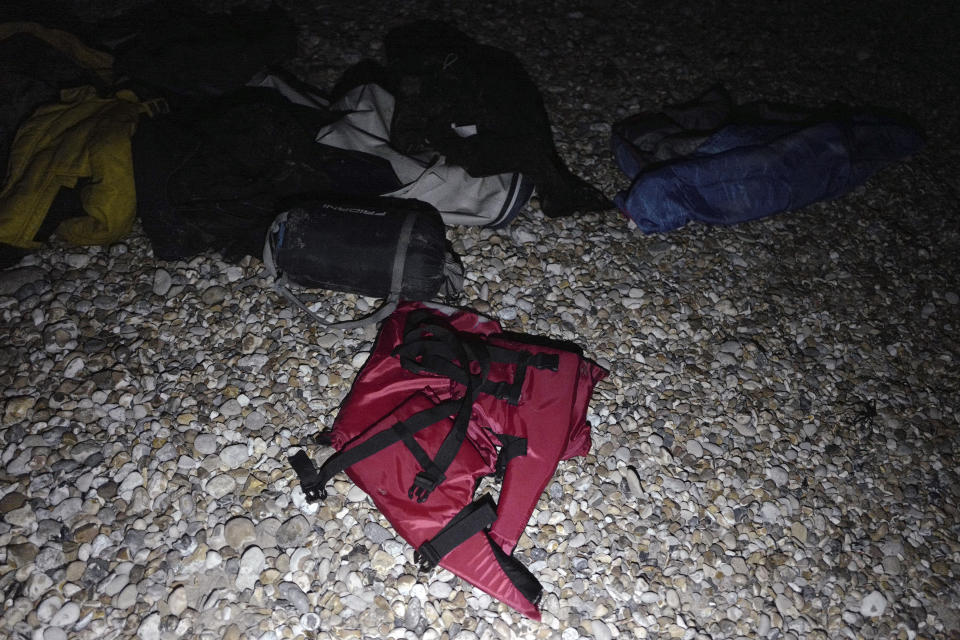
(445, 399)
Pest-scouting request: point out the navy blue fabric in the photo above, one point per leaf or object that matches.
(741, 170)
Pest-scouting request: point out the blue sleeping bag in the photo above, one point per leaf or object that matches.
(718, 163)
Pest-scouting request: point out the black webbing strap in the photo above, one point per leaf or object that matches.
(313, 482)
(429, 348)
(519, 575)
(428, 479)
(511, 447)
(309, 478)
(474, 517)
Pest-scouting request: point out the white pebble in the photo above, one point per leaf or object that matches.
(440, 589)
(234, 455)
(251, 564)
(177, 601)
(694, 448)
(873, 604)
(161, 282)
(150, 627)
(600, 630)
(66, 615)
(54, 633)
(778, 475)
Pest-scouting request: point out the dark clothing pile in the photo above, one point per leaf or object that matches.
(33, 70)
(165, 51)
(476, 105)
(212, 177)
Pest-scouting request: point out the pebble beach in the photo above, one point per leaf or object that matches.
(774, 451)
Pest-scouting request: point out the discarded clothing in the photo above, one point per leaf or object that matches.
(82, 137)
(719, 163)
(36, 63)
(213, 177)
(492, 200)
(476, 105)
(466, 401)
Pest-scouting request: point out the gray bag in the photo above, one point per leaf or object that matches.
(383, 247)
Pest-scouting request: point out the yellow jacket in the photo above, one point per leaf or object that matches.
(83, 136)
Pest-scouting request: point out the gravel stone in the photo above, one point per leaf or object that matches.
(873, 605)
(293, 594)
(54, 633)
(205, 444)
(162, 281)
(251, 564)
(376, 532)
(234, 455)
(239, 532)
(214, 295)
(66, 615)
(440, 590)
(149, 628)
(177, 601)
(12, 280)
(293, 532)
(221, 485)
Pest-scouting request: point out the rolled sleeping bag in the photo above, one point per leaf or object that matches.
(390, 248)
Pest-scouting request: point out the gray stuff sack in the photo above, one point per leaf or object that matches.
(389, 248)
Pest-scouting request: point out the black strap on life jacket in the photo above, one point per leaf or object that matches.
(474, 517)
(431, 355)
(313, 482)
(525, 582)
(431, 346)
(512, 447)
(432, 475)
(310, 483)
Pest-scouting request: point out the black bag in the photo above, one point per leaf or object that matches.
(384, 247)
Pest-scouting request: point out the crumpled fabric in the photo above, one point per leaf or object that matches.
(476, 105)
(714, 162)
(461, 198)
(82, 138)
(36, 62)
(213, 177)
(404, 375)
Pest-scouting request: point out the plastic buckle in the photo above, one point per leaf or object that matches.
(313, 491)
(426, 557)
(423, 485)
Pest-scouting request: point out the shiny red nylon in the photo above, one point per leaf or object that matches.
(551, 414)
(387, 475)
